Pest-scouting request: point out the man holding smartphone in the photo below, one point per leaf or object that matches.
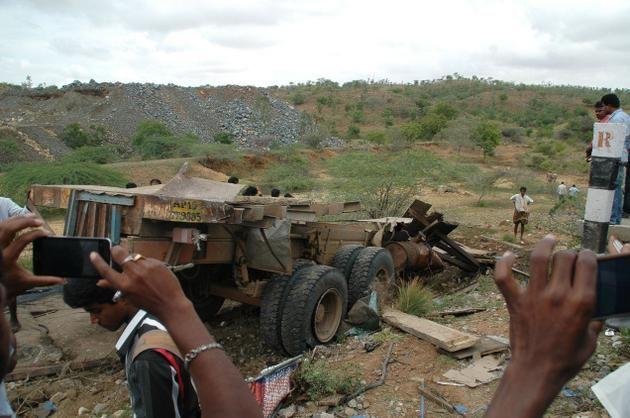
(159, 384)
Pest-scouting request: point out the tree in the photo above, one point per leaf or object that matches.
(486, 136)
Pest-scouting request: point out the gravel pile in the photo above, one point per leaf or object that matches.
(254, 118)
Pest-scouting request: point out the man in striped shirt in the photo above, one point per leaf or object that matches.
(159, 384)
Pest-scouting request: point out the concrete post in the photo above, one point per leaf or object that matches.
(608, 142)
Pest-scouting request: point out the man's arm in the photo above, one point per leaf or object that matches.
(151, 385)
(545, 353)
(150, 285)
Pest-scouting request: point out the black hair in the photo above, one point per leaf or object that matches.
(131, 185)
(155, 181)
(233, 180)
(288, 195)
(523, 188)
(573, 185)
(561, 182)
(250, 191)
(275, 192)
(80, 293)
(611, 99)
(598, 104)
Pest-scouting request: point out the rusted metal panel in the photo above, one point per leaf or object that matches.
(158, 248)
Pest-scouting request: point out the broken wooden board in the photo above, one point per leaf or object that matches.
(457, 312)
(486, 345)
(446, 338)
(478, 373)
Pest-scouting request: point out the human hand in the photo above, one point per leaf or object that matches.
(612, 248)
(551, 331)
(146, 283)
(16, 278)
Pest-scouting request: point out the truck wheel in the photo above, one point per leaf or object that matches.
(315, 303)
(271, 306)
(372, 269)
(345, 257)
(195, 283)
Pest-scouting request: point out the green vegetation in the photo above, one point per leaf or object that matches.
(386, 183)
(10, 152)
(486, 136)
(103, 154)
(291, 173)
(16, 182)
(74, 136)
(317, 379)
(153, 140)
(224, 137)
(414, 298)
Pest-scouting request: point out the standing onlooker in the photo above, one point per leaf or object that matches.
(573, 191)
(612, 107)
(562, 191)
(8, 209)
(521, 212)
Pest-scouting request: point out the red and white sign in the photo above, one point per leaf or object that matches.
(608, 139)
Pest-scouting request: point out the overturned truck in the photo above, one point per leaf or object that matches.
(270, 252)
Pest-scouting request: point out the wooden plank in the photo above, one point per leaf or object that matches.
(101, 223)
(254, 213)
(442, 336)
(485, 346)
(276, 211)
(91, 220)
(418, 210)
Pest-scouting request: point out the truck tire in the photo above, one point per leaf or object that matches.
(195, 283)
(313, 309)
(345, 257)
(373, 265)
(271, 306)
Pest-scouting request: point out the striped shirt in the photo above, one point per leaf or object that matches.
(153, 382)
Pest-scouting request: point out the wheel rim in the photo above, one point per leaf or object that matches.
(327, 315)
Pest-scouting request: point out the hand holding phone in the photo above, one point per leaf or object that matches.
(613, 286)
(69, 257)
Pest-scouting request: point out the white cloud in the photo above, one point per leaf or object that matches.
(268, 42)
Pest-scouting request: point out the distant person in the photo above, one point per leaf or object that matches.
(155, 182)
(250, 191)
(573, 191)
(233, 180)
(521, 211)
(131, 185)
(612, 107)
(275, 192)
(562, 191)
(288, 195)
(159, 383)
(9, 209)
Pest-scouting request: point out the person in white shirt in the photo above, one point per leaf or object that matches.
(562, 191)
(521, 212)
(573, 191)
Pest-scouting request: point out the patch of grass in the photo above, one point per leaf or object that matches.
(414, 298)
(317, 379)
(291, 173)
(446, 362)
(625, 339)
(508, 238)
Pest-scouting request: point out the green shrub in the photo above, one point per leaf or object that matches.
(353, 132)
(486, 136)
(150, 129)
(74, 136)
(104, 154)
(9, 151)
(298, 99)
(446, 110)
(224, 137)
(317, 379)
(376, 137)
(414, 298)
(16, 182)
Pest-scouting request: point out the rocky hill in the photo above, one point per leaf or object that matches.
(35, 117)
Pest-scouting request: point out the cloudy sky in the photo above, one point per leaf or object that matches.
(267, 42)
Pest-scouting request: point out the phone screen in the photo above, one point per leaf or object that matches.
(613, 287)
(68, 257)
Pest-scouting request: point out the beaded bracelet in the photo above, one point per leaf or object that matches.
(192, 354)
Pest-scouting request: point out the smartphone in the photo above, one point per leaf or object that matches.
(69, 257)
(613, 286)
